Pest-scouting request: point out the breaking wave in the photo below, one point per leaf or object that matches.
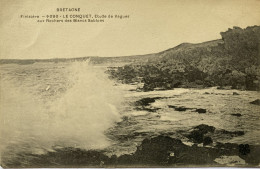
(77, 118)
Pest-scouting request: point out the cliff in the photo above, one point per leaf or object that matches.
(230, 61)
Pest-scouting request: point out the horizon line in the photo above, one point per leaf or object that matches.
(81, 57)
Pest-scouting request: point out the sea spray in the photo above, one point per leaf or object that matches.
(77, 118)
(87, 109)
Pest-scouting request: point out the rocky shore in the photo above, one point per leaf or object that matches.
(156, 141)
(160, 151)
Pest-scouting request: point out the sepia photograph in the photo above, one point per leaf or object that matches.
(129, 83)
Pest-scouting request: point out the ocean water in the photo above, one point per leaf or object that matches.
(45, 106)
(219, 104)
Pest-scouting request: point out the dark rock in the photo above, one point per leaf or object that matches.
(236, 114)
(156, 150)
(206, 93)
(230, 146)
(250, 153)
(147, 109)
(126, 159)
(256, 102)
(203, 128)
(113, 159)
(160, 151)
(146, 101)
(172, 106)
(167, 151)
(201, 110)
(244, 149)
(144, 104)
(182, 108)
(196, 136)
(235, 93)
(207, 141)
(164, 151)
(179, 108)
(202, 131)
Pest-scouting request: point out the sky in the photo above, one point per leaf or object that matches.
(152, 26)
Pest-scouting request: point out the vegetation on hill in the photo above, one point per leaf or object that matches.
(231, 61)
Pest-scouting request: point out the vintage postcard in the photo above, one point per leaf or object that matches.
(129, 83)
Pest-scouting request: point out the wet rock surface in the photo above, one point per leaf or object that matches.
(147, 109)
(182, 108)
(207, 141)
(256, 102)
(236, 114)
(197, 134)
(205, 128)
(144, 104)
(176, 108)
(147, 101)
(201, 110)
(156, 151)
(206, 134)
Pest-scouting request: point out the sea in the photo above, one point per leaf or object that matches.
(50, 105)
